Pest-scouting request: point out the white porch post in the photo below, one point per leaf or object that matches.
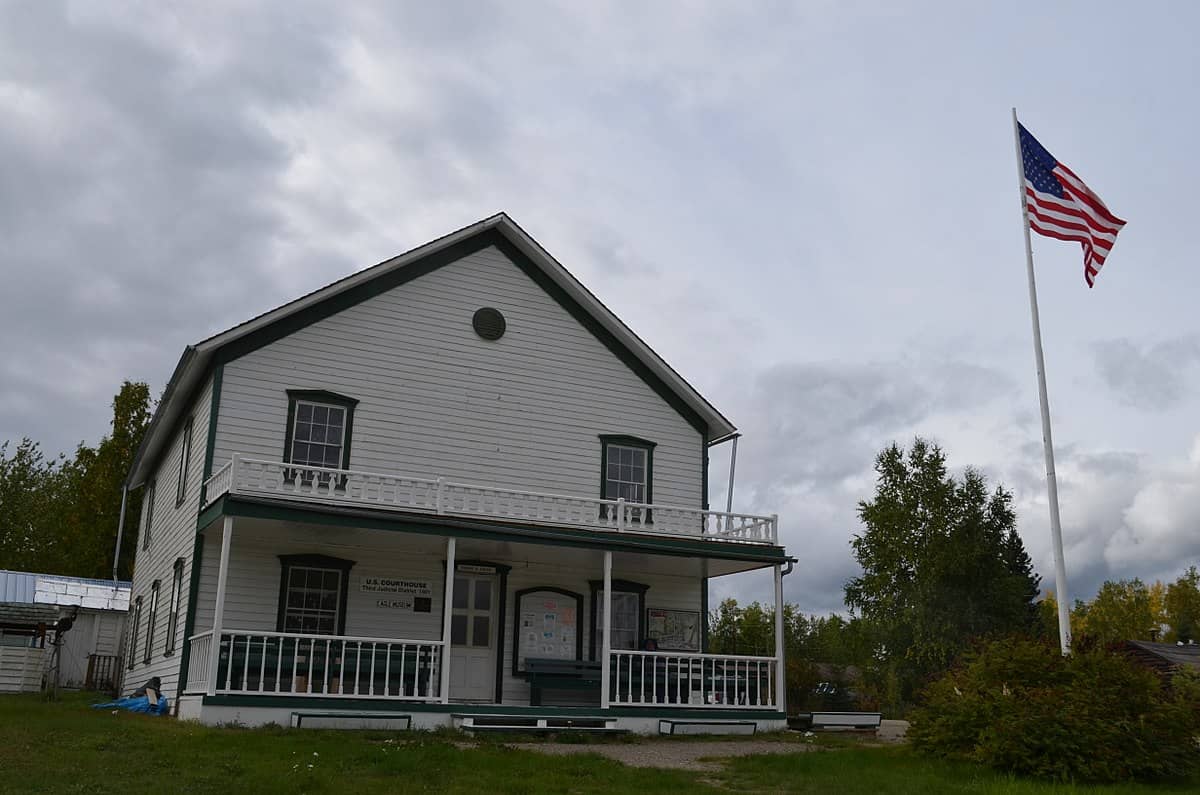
(780, 668)
(606, 646)
(214, 647)
(447, 613)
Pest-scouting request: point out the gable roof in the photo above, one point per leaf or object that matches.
(499, 230)
(1165, 656)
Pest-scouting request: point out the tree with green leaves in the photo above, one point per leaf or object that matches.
(942, 564)
(95, 479)
(1121, 610)
(61, 516)
(817, 650)
(744, 630)
(1182, 608)
(28, 503)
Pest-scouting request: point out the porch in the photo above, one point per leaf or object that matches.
(252, 663)
(300, 610)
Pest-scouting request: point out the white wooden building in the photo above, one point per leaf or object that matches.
(90, 653)
(312, 476)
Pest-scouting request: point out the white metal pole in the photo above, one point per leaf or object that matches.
(447, 614)
(606, 646)
(1060, 568)
(732, 469)
(120, 530)
(214, 647)
(780, 667)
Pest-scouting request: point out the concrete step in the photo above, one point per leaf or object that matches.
(707, 727)
(376, 721)
(539, 724)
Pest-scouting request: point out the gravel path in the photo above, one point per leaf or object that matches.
(892, 731)
(679, 755)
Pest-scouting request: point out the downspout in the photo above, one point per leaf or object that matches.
(120, 529)
(780, 646)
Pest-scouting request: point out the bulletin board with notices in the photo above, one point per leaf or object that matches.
(546, 625)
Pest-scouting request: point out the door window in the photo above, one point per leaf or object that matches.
(471, 617)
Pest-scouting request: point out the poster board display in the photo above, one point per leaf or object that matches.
(546, 625)
(673, 630)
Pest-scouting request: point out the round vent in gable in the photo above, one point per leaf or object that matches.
(488, 323)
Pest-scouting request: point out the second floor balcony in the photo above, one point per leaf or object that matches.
(441, 497)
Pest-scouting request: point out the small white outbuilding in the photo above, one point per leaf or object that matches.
(31, 607)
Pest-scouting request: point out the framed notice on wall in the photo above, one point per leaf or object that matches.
(546, 625)
(399, 593)
(674, 630)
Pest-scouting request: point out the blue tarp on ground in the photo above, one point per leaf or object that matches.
(136, 704)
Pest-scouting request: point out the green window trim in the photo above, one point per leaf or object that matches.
(151, 618)
(173, 607)
(133, 633)
(287, 562)
(618, 586)
(151, 495)
(516, 652)
(319, 396)
(185, 455)
(615, 440)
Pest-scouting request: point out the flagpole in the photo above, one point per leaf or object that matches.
(1060, 569)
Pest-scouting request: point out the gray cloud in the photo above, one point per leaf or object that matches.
(815, 424)
(137, 198)
(1150, 377)
(812, 432)
(1123, 513)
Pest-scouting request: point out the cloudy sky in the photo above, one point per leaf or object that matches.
(810, 209)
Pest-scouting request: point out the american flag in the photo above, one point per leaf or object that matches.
(1062, 207)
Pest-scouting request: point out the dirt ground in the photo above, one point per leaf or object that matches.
(892, 731)
(670, 754)
(686, 755)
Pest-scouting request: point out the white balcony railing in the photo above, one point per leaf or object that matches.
(250, 476)
(328, 666)
(196, 676)
(658, 678)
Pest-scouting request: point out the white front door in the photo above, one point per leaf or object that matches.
(473, 638)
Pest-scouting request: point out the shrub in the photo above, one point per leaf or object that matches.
(1018, 705)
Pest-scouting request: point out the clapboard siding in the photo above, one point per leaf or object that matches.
(21, 669)
(523, 412)
(171, 537)
(252, 584)
(109, 630)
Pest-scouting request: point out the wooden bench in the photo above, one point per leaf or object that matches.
(549, 674)
(846, 721)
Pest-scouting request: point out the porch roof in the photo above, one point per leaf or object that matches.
(736, 556)
(20, 615)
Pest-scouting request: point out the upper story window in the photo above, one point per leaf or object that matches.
(185, 454)
(319, 430)
(627, 471)
(151, 493)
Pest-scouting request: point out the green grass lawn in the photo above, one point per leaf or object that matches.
(67, 747)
